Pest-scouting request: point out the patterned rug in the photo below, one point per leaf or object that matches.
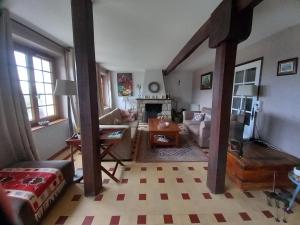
(188, 151)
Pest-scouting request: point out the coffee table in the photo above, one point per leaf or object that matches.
(171, 133)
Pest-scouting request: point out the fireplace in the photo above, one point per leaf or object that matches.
(158, 106)
(151, 111)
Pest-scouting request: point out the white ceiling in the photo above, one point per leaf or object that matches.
(133, 35)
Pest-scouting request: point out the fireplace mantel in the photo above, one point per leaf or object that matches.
(166, 106)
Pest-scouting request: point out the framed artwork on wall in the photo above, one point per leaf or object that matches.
(125, 84)
(206, 81)
(287, 67)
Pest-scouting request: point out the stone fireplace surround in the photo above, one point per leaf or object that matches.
(166, 106)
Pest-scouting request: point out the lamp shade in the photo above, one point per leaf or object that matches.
(247, 90)
(65, 87)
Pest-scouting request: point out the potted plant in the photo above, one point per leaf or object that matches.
(297, 170)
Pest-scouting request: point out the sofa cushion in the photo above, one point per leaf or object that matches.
(194, 129)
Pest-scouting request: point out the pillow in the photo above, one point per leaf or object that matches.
(198, 117)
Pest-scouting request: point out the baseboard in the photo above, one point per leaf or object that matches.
(58, 153)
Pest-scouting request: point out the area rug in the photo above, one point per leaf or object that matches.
(187, 152)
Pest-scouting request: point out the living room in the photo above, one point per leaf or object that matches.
(164, 129)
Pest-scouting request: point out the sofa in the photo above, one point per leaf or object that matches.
(118, 118)
(46, 179)
(200, 130)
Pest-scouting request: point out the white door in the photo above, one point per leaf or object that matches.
(246, 74)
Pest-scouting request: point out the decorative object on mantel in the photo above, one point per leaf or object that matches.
(139, 87)
(154, 87)
(287, 67)
(125, 84)
(297, 171)
(206, 81)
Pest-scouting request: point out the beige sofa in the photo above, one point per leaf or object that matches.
(114, 119)
(200, 130)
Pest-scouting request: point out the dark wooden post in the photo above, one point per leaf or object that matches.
(83, 33)
(222, 93)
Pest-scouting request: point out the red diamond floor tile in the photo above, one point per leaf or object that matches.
(124, 181)
(245, 216)
(161, 180)
(228, 195)
(115, 220)
(179, 180)
(191, 168)
(88, 220)
(220, 217)
(197, 180)
(205, 167)
(248, 194)
(98, 198)
(143, 180)
(76, 198)
(185, 196)
(141, 219)
(144, 168)
(127, 169)
(111, 169)
(206, 195)
(175, 168)
(194, 218)
(168, 219)
(142, 196)
(120, 197)
(164, 196)
(159, 168)
(267, 214)
(61, 220)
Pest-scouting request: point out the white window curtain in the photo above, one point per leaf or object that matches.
(100, 99)
(16, 138)
(71, 75)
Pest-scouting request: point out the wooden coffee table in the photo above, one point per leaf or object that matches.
(171, 133)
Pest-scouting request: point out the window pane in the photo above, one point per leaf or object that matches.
(49, 99)
(43, 111)
(235, 89)
(37, 63)
(42, 100)
(24, 87)
(250, 75)
(38, 76)
(20, 58)
(22, 72)
(47, 77)
(236, 102)
(48, 88)
(27, 101)
(40, 88)
(46, 65)
(249, 104)
(50, 110)
(29, 112)
(239, 77)
(247, 118)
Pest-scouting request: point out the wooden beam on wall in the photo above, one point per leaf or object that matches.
(83, 33)
(203, 33)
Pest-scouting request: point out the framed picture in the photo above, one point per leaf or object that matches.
(287, 67)
(125, 84)
(206, 81)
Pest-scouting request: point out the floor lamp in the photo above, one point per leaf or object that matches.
(68, 88)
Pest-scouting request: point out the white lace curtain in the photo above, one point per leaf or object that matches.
(16, 142)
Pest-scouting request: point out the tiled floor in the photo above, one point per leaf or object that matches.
(163, 193)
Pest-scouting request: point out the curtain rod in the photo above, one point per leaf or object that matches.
(29, 28)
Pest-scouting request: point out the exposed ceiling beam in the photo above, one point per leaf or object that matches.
(202, 34)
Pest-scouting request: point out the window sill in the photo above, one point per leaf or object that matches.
(35, 128)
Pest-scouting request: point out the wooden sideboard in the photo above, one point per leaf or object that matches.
(255, 170)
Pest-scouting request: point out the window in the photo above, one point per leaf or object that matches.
(105, 90)
(36, 80)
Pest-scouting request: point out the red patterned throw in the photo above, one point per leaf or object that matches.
(38, 186)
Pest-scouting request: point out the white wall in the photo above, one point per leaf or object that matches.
(179, 84)
(117, 101)
(279, 122)
(157, 76)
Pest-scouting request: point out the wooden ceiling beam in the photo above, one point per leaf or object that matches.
(202, 34)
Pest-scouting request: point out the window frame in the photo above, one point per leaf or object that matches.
(31, 52)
